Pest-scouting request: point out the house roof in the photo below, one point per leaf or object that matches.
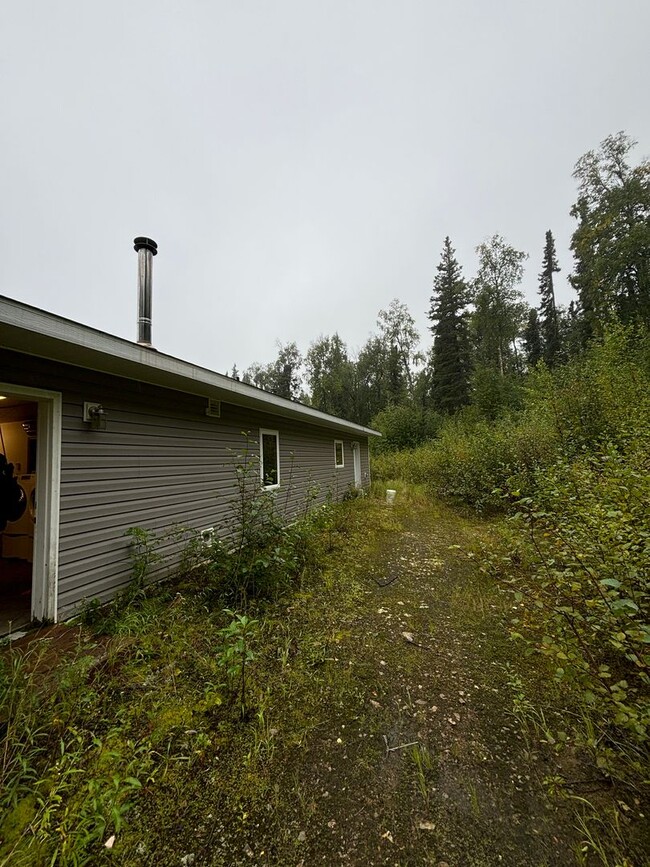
(36, 332)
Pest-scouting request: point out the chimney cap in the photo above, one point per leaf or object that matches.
(145, 244)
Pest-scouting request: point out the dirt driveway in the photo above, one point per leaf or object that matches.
(391, 741)
(432, 768)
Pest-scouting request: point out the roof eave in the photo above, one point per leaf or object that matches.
(36, 332)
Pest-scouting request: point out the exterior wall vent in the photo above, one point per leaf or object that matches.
(213, 409)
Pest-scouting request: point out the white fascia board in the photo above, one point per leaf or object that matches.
(36, 332)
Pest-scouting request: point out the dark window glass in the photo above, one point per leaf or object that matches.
(269, 459)
(338, 452)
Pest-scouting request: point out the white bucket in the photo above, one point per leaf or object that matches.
(390, 497)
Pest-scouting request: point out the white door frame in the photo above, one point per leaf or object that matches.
(45, 566)
(356, 461)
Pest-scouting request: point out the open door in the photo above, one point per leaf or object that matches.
(30, 461)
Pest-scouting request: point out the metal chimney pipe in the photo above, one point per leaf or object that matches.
(146, 250)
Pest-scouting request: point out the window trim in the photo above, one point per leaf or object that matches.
(267, 432)
(340, 466)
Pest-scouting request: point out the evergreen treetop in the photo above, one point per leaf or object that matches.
(451, 360)
(549, 326)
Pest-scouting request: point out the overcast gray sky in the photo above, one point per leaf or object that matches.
(299, 163)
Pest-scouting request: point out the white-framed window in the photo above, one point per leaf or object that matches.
(339, 456)
(269, 459)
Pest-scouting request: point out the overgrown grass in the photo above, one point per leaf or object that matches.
(155, 686)
(137, 730)
(69, 769)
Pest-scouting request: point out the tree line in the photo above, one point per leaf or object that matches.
(485, 337)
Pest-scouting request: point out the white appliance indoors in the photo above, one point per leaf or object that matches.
(18, 537)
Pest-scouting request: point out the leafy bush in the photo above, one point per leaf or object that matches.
(236, 653)
(406, 465)
(579, 571)
(468, 461)
(265, 559)
(259, 553)
(471, 465)
(601, 398)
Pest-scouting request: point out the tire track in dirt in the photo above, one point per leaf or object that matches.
(435, 771)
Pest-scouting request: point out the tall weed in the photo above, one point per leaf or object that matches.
(579, 568)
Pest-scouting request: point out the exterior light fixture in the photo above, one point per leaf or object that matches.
(95, 415)
(3, 396)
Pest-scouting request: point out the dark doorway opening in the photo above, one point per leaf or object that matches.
(18, 444)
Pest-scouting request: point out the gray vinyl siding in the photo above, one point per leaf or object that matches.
(162, 464)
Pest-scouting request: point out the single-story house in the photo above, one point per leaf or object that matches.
(105, 434)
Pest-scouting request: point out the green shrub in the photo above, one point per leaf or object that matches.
(265, 559)
(471, 466)
(407, 465)
(259, 552)
(236, 654)
(468, 461)
(601, 398)
(579, 571)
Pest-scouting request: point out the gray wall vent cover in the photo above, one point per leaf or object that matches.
(213, 409)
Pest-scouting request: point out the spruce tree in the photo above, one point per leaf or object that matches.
(548, 325)
(451, 365)
(573, 326)
(532, 339)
